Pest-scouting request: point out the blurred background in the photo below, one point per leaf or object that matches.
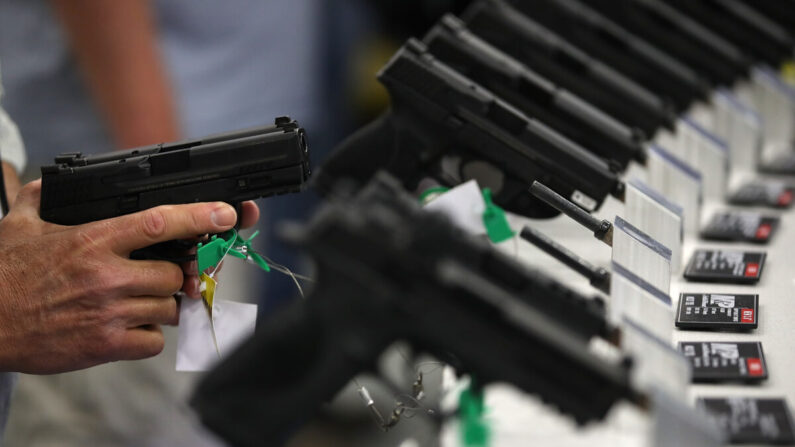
(98, 75)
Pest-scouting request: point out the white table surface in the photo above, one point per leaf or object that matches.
(518, 419)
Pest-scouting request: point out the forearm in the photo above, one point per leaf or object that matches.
(12, 183)
(116, 47)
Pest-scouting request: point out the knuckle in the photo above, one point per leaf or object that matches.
(106, 343)
(197, 222)
(87, 238)
(91, 239)
(30, 189)
(153, 222)
(22, 223)
(106, 318)
(166, 278)
(105, 280)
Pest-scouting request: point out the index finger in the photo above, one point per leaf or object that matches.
(165, 223)
(249, 214)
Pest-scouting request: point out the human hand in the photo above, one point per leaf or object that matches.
(71, 298)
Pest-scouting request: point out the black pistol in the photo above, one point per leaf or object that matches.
(687, 40)
(556, 58)
(445, 126)
(760, 38)
(538, 97)
(388, 271)
(230, 167)
(607, 41)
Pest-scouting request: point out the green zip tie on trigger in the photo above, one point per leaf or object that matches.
(211, 253)
(495, 221)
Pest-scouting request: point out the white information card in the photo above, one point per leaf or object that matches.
(679, 182)
(656, 216)
(233, 321)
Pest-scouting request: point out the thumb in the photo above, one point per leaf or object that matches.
(165, 223)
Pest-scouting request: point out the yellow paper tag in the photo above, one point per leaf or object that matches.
(788, 72)
(207, 289)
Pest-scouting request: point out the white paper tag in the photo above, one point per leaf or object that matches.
(703, 114)
(234, 322)
(743, 91)
(679, 181)
(656, 364)
(741, 127)
(670, 141)
(656, 216)
(642, 255)
(464, 205)
(707, 153)
(775, 102)
(634, 299)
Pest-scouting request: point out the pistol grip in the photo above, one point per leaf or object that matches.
(275, 380)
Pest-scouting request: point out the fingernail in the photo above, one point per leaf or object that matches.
(224, 216)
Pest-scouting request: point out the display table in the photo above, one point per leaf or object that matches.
(518, 419)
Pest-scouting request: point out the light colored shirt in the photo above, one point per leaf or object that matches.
(241, 63)
(44, 91)
(11, 148)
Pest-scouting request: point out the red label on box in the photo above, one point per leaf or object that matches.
(746, 315)
(752, 269)
(763, 232)
(755, 367)
(785, 198)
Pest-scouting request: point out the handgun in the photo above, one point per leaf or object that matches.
(453, 44)
(598, 277)
(601, 229)
(230, 167)
(388, 271)
(554, 57)
(445, 126)
(781, 12)
(759, 37)
(615, 46)
(682, 37)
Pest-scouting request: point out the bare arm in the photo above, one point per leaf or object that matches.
(116, 48)
(12, 182)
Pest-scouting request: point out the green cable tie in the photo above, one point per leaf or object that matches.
(260, 261)
(475, 431)
(495, 221)
(253, 255)
(209, 254)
